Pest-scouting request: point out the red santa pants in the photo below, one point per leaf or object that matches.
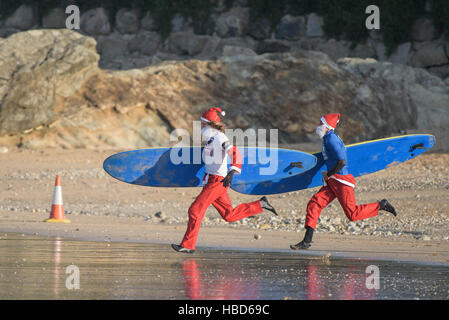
(216, 194)
(345, 195)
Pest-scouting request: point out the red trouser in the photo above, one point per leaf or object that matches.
(345, 195)
(216, 194)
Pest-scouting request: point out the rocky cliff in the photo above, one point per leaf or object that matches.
(53, 94)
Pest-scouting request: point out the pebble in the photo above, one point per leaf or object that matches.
(160, 215)
(257, 236)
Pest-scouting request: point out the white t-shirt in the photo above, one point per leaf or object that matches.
(215, 152)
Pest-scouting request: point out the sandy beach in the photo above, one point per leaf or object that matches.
(103, 209)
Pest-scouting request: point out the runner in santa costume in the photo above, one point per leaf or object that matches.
(215, 154)
(338, 183)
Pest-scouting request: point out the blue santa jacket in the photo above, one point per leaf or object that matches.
(333, 151)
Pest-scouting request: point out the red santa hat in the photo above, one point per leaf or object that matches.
(330, 120)
(213, 114)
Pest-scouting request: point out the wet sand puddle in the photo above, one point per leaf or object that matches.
(34, 267)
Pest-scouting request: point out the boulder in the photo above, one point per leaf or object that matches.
(145, 42)
(247, 42)
(414, 98)
(112, 47)
(37, 68)
(291, 28)
(55, 19)
(233, 23)
(314, 26)
(401, 54)
(135, 62)
(429, 54)
(23, 18)
(127, 20)
(335, 49)
(95, 22)
(210, 48)
(186, 43)
(440, 71)
(260, 29)
(364, 50)
(229, 51)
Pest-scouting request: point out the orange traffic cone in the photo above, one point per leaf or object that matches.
(57, 208)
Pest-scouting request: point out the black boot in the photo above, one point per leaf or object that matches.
(386, 206)
(266, 205)
(301, 245)
(181, 249)
(306, 243)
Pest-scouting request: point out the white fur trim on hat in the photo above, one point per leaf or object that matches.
(236, 169)
(326, 124)
(204, 119)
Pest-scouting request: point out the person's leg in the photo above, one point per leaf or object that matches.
(196, 212)
(346, 197)
(318, 202)
(224, 207)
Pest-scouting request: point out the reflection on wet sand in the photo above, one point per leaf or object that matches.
(199, 284)
(57, 243)
(34, 268)
(351, 287)
(225, 286)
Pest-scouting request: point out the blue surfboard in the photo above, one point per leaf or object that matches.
(183, 167)
(363, 158)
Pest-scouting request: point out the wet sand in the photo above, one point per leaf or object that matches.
(34, 267)
(136, 229)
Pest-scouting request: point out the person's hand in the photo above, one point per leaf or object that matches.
(228, 179)
(325, 177)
